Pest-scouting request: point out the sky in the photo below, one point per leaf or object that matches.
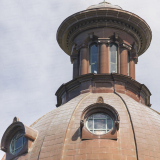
(33, 66)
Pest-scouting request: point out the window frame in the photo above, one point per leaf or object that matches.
(99, 108)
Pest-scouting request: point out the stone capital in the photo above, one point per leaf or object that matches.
(104, 40)
(83, 46)
(126, 46)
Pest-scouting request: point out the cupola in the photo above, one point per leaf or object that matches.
(104, 39)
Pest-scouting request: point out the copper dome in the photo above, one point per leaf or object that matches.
(59, 136)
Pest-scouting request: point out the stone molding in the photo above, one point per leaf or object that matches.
(96, 18)
(104, 83)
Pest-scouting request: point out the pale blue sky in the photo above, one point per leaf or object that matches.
(32, 65)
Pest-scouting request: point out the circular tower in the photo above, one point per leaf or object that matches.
(103, 112)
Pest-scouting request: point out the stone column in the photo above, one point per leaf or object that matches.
(124, 58)
(84, 60)
(123, 61)
(103, 58)
(75, 68)
(103, 55)
(132, 68)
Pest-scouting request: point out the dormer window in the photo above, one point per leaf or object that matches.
(17, 139)
(113, 58)
(93, 58)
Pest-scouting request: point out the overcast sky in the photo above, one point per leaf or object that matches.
(32, 65)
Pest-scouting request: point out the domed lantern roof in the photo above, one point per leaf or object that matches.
(104, 4)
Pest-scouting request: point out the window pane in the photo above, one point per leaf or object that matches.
(99, 124)
(109, 123)
(99, 115)
(16, 151)
(113, 68)
(93, 58)
(90, 124)
(24, 140)
(96, 123)
(19, 143)
(113, 58)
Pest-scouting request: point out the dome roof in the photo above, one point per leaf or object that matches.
(104, 5)
(59, 132)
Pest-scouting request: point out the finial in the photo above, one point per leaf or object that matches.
(15, 119)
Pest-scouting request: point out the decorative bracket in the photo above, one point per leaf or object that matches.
(127, 46)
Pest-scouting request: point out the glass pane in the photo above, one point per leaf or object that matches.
(99, 115)
(16, 151)
(113, 57)
(90, 124)
(100, 124)
(91, 117)
(94, 68)
(19, 143)
(24, 140)
(18, 135)
(12, 146)
(109, 123)
(99, 132)
(93, 58)
(113, 68)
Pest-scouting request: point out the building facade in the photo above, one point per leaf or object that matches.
(103, 112)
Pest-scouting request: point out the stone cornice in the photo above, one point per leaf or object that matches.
(105, 81)
(97, 18)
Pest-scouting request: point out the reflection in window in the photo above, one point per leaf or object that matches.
(128, 64)
(17, 143)
(99, 123)
(113, 58)
(93, 58)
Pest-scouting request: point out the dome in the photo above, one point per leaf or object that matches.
(59, 132)
(104, 5)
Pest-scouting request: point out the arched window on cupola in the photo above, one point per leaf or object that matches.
(93, 58)
(113, 67)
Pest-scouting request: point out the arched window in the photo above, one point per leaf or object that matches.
(113, 58)
(93, 58)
